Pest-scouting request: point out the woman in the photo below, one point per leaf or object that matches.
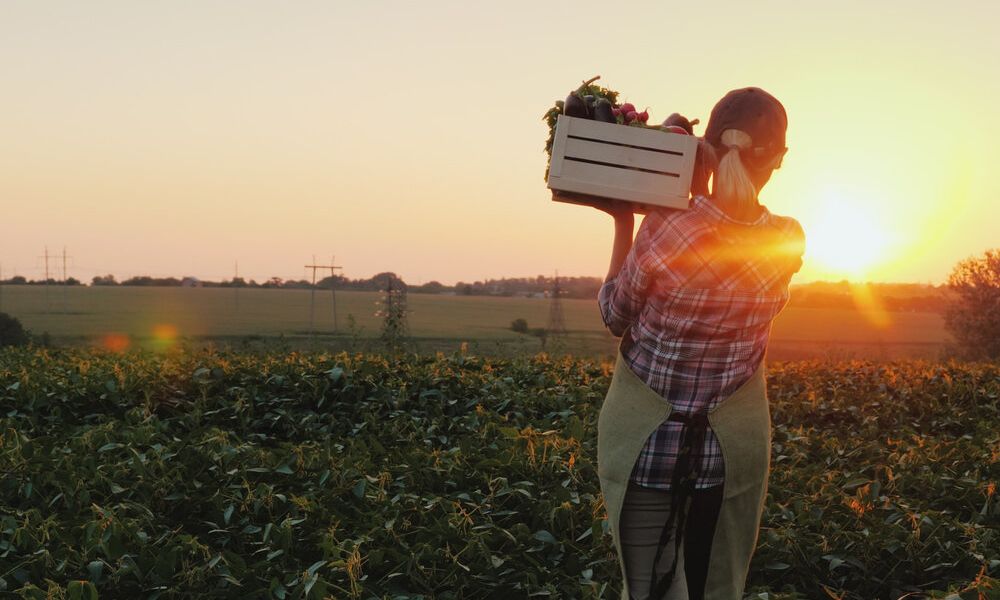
(684, 432)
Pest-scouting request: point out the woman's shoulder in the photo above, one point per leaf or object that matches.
(675, 223)
(788, 226)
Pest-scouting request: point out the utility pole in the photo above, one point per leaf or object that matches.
(557, 325)
(47, 306)
(236, 289)
(65, 284)
(312, 293)
(333, 289)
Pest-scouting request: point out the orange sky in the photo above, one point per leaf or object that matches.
(174, 138)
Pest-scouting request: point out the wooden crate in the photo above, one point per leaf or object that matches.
(648, 167)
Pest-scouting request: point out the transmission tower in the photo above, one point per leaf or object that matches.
(236, 285)
(557, 325)
(65, 283)
(312, 293)
(392, 309)
(48, 307)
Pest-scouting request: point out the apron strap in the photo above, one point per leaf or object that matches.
(682, 484)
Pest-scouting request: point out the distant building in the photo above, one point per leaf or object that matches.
(190, 282)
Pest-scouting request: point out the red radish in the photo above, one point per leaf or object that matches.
(627, 108)
(675, 129)
(616, 112)
(644, 115)
(631, 115)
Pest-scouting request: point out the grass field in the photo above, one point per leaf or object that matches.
(89, 314)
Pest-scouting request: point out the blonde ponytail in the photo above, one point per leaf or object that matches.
(731, 181)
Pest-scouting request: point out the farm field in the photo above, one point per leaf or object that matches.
(205, 474)
(436, 322)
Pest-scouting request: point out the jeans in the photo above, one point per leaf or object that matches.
(644, 513)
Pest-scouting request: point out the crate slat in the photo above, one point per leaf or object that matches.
(632, 186)
(612, 132)
(625, 156)
(643, 166)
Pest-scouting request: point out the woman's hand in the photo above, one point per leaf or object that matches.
(621, 211)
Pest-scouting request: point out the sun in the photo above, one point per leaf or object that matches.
(845, 236)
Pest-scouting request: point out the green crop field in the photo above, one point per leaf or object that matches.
(207, 474)
(436, 322)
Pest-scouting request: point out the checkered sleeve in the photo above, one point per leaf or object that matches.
(622, 297)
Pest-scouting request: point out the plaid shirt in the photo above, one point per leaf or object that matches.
(694, 300)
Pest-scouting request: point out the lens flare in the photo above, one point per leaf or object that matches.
(116, 342)
(164, 335)
(870, 306)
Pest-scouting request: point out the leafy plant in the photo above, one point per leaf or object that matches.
(519, 326)
(973, 318)
(204, 474)
(12, 333)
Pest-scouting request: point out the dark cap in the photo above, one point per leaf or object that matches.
(754, 111)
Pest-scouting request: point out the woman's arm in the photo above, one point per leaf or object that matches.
(623, 294)
(624, 225)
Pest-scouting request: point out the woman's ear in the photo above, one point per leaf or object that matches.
(779, 158)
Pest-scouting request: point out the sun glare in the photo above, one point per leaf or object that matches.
(845, 236)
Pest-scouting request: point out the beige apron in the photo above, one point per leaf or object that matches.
(742, 422)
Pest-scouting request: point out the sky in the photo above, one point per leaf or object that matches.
(186, 137)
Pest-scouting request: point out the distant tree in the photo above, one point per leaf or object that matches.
(431, 287)
(274, 282)
(73, 281)
(17, 280)
(146, 280)
(104, 280)
(300, 284)
(234, 282)
(519, 325)
(12, 333)
(973, 317)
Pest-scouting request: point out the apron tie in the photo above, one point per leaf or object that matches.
(682, 482)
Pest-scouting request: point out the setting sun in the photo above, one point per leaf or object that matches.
(846, 236)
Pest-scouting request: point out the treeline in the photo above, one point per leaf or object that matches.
(894, 297)
(541, 285)
(19, 280)
(570, 287)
